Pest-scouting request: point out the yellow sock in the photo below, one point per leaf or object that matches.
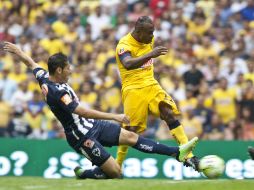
(180, 136)
(121, 154)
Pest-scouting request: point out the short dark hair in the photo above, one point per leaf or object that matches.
(55, 61)
(141, 21)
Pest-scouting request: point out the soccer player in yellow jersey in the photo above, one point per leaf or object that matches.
(141, 93)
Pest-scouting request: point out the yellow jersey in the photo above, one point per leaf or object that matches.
(225, 104)
(140, 77)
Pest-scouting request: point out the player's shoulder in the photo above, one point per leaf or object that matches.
(57, 88)
(125, 40)
(55, 91)
(124, 45)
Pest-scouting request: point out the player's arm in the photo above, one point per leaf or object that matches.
(12, 48)
(73, 106)
(94, 114)
(134, 63)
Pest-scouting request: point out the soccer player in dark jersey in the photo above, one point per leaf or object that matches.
(85, 133)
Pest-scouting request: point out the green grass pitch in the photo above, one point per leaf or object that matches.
(37, 183)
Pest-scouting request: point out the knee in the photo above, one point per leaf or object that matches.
(166, 113)
(132, 138)
(115, 172)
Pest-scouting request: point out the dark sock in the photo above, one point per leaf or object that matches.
(95, 173)
(173, 125)
(149, 146)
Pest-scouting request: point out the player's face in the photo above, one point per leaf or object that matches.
(66, 72)
(147, 34)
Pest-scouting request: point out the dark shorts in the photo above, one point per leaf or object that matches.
(103, 133)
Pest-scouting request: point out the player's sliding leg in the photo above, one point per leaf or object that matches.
(149, 146)
(177, 131)
(111, 169)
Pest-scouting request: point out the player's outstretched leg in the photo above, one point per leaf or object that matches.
(95, 173)
(251, 152)
(149, 146)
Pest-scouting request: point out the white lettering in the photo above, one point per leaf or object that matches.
(69, 161)
(132, 167)
(172, 169)
(5, 166)
(234, 168)
(20, 158)
(149, 168)
(51, 171)
(248, 169)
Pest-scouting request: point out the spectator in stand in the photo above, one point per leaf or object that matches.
(5, 113)
(98, 20)
(247, 125)
(56, 131)
(224, 101)
(159, 6)
(248, 11)
(192, 124)
(247, 102)
(5, 36)
(18, 127)
(233, 131)
(34, 114)
(215, 130)
(152, 127)
(203, 113)
(7, 86)
(193, 77)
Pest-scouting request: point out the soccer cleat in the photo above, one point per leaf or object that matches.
(192, 162)
(185, 149)
(251, 152)
(78, 172)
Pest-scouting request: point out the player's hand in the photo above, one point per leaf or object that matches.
(157, 51)
(12, 48)
(122, 118)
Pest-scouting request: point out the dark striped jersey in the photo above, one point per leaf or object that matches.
(62, 101)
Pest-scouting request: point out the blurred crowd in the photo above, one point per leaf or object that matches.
(209, 69)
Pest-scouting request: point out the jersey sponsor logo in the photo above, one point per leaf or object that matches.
(96, 152)
(121, 51)
(146, 147)
(89, 143)
(147, 64)
(66, 99)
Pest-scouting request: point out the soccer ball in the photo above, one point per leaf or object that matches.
(212, 166)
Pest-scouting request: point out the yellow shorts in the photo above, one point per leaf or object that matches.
(139, 102)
